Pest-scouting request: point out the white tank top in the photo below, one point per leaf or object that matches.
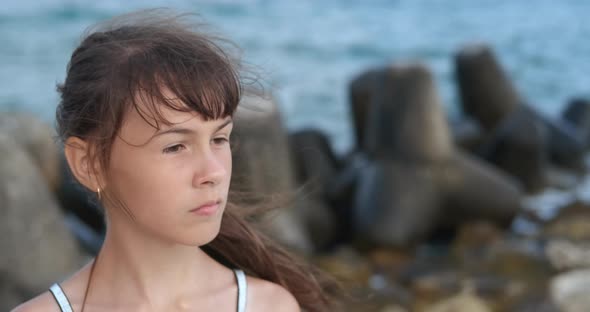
(64, 304)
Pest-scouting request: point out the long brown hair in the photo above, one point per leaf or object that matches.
(131, 58)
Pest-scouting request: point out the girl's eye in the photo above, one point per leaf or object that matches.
(173, 149)
(220, 140)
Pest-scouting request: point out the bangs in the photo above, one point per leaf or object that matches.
(202, 80)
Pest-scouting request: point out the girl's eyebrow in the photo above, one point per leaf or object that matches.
(227, 122)
(180, 130)
(174, 130)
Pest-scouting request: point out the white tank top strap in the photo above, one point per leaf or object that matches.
(242, 289)
(64, 304)
(60, 297)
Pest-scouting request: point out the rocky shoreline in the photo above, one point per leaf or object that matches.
(424, 214)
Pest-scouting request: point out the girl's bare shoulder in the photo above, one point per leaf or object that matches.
(267, 296)
(46, 302)
(41, 303)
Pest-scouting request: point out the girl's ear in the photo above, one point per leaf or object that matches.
(77, 152)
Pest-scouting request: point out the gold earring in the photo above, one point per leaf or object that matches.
(98, 193)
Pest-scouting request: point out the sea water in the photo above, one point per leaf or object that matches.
(308, 51)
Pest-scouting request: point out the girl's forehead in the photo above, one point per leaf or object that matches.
(150, 113)
(140, 125)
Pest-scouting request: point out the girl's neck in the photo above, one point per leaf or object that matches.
(134, 268)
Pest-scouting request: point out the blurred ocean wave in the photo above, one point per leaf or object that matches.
(309, 50)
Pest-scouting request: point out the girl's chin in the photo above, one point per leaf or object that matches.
(203, 236)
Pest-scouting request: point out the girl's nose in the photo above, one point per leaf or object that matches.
(210, 171)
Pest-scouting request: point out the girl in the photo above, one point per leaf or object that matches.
(146, 116)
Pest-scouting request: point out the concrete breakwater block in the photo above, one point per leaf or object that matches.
(467, 133)
(473, 189)
(526, 131)
(519, 146)
(488, 96)
(262, 166)
(405, 117)
(396, 204)
(315, 167)
(79, 202)
(577, 112)
(413, 175)
(37, 248)
(566, 147)
(37, 138)
(360, 91)
(400, 203)
(486, 92)
(341, 191)
(314, 160)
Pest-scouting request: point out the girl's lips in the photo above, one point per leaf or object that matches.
(207, 209)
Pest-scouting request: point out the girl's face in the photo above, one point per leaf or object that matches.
(174, 180)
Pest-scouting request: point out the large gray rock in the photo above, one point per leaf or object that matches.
(262, 167)
(571, 291)
(487, 94)
(466, 301)
(565, 254)
(38, 139)
(37, 248)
